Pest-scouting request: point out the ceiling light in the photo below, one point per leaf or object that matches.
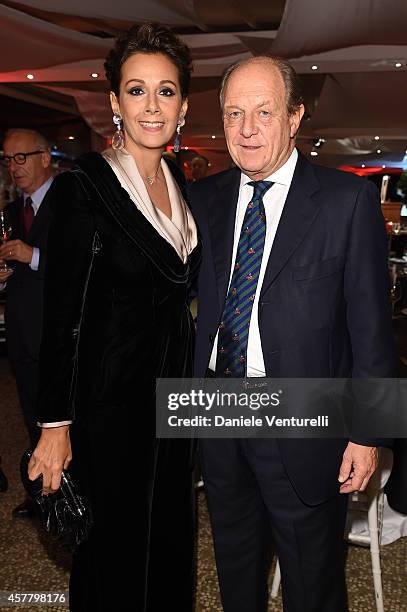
(71, 137)
(213, 136)
(30, 76)
(314, 153)
(378, 151)
(398, 64)
(363, 165)
(318, 142)
(314, 67)
(377, 137)
(94, 75)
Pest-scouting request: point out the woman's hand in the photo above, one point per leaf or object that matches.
(51, 455)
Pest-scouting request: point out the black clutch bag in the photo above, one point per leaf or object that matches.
(65, 514)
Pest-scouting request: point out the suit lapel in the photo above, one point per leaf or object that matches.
(41, 218)
(110, 195)
(299, 212)
(222, 213)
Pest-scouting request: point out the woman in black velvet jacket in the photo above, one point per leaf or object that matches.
(123, 250)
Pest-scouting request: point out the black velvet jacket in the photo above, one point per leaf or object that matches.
(135, 320)
(135, 326)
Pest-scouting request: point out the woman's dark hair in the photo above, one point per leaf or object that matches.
(149, 38)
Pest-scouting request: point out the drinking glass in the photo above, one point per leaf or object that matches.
(6, 229)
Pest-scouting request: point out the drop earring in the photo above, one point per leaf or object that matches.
(177, 141)
(118, 136)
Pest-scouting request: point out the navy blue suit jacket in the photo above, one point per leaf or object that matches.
(24, 297)
(324, 308)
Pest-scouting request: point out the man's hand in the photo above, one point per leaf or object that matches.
(51, 456)
(4, 275)
(16, 250)
(358, 464)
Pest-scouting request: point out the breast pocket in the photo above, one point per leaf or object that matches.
(318, 287)
(318, 269)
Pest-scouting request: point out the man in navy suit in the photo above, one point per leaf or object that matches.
(28, 159)
(315, 304)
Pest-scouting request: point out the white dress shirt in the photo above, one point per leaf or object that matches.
(274, 201)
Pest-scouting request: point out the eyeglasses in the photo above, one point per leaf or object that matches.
(18, 158)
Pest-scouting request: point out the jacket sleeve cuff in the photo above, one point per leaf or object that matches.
(384, 442)
(56, 424)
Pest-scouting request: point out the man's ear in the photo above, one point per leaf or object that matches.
(114, 103)
(295, 120)
(46, 159)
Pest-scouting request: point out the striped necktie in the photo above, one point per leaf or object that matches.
(233, 330)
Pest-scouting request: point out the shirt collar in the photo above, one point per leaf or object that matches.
(38, 195)
(282, 176)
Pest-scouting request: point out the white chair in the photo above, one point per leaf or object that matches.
(276, 581)
(370, 501)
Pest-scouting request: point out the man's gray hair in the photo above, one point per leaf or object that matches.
(40, 141)
(293, 88)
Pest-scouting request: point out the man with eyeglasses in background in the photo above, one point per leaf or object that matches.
(27, 156)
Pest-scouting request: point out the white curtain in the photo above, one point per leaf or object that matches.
(313, 26)
(355, 104)
(32, 43)
(173, 12)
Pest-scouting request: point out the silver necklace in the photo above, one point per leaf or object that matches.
(152, 179)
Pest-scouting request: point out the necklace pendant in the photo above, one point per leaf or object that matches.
(150, 180)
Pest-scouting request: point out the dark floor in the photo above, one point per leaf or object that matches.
(30, 562)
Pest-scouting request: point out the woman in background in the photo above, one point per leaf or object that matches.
(123, 250)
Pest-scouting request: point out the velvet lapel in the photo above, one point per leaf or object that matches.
(222, 207)
(117, 202)
(299, 212)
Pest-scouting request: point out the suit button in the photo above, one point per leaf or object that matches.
(211, 337)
